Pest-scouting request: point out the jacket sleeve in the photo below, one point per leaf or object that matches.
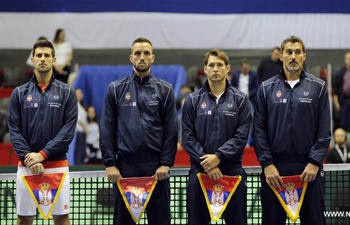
(235, 79)
(323, 137)
(189, 139)
(170, 127)
(262, 147)
(65, 136)
(19, 143)
(234, 146)
(108, 128)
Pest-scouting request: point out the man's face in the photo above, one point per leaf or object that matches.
(142, 56)
(216, 69)
(43, 60)
(245, 68)
(339, 136)
(293, 57)
(275, 55)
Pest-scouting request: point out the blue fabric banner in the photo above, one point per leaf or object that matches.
(178, 6)
(93, 80)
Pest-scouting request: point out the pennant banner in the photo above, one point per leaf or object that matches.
(45, 191)
(218, 193)
(136, 193)
(291, 195)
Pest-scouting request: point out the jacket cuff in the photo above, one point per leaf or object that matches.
(263, 165)
(109, 164)
(166, 164)
(219, 155)
(314, 162)
(44, 154)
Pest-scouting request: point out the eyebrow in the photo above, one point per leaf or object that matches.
(294, 49)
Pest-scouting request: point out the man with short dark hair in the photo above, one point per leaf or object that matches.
(292, 135)
(42, 119)
(270, 66)
(215, 124)
(139, 133)
(342, 93)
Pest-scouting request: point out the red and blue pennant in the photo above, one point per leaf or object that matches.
(217, 193)
(136, 193)
(45, 191)
(291, 195)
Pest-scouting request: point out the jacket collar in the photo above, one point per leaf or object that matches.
(206, 86)
(34, 80)
(282, 75)
(141, 79)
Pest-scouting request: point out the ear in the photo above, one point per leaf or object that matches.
(205, 69)
(280, 56)
(130, 58)
(153, 58)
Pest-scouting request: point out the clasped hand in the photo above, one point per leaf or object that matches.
(210, 165)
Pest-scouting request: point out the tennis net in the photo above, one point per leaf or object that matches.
(92, 197)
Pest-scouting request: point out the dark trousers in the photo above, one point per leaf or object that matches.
(158, 208)
(236, 210)
(80, 148)
(345, 114)
(311, 212)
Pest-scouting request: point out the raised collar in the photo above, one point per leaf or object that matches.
(206, 86)
(283, 77)
(141, 79)
(34, 80)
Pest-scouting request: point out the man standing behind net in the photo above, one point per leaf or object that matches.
(215, 123)
(42, 119)
(270, 66)
(292, 135)
(341, 87)
(139, 133)
(339, 153)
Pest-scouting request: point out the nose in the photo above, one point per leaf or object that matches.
(142, 57)
(293, 55)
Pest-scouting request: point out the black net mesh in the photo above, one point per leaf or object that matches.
(92, 198)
